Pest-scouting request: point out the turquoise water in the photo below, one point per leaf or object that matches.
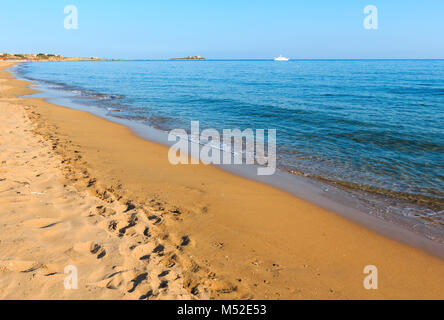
(369, 125)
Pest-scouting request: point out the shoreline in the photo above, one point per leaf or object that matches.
(278, 246)
(337, 200)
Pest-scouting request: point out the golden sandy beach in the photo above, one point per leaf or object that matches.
(79, 190)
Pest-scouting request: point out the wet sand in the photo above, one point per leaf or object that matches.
(217, 235)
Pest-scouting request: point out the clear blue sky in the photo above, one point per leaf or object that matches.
(225, 28)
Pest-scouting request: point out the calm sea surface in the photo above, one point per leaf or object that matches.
(371, 127)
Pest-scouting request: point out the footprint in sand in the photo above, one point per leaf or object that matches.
(143, 252)
(99, 250)
(90, 247)
(138, 280)
(163, 284)
(164, 273)
(147, 296)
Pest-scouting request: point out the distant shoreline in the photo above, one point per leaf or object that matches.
(14, 58)
(46, 57)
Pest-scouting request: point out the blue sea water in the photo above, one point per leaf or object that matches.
(370, 125)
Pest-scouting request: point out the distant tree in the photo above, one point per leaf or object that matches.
(42, 56)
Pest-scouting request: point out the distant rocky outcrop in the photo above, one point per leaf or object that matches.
(190, 58)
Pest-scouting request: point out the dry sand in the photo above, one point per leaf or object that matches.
(78, 190)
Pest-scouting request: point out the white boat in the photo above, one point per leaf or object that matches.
(281, 58)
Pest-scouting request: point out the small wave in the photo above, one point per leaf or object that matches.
(434, 203)
(102, 96)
